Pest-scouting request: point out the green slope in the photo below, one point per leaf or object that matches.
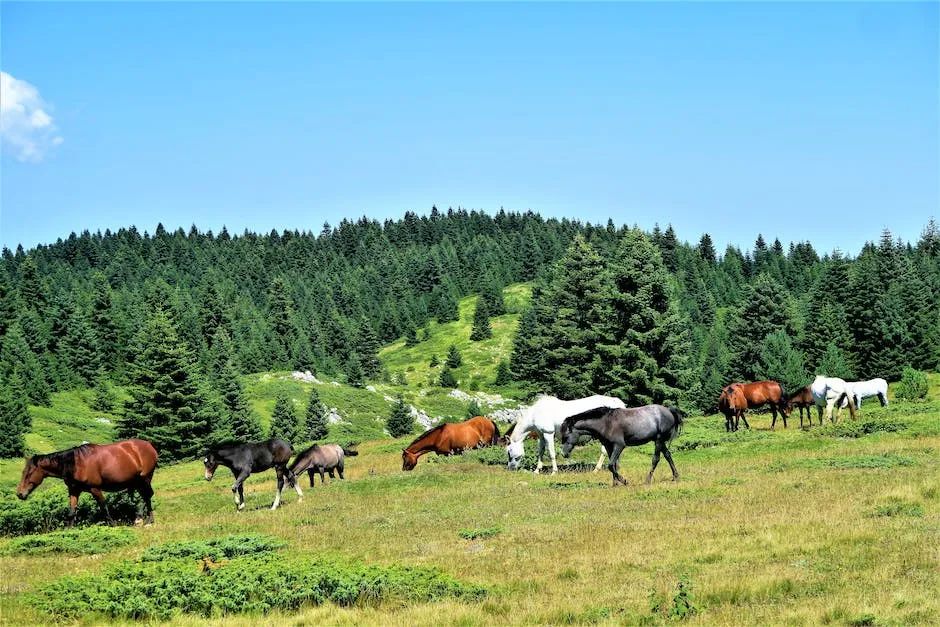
(70, 420)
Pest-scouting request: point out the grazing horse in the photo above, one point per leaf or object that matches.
(94, 468)
(760, 393)
(450, 439)
(322, 459)
(619, 428)
(732, 404)
(829, 391)
(803, 399)
(245, 458)
(545, 418)
(864, 389)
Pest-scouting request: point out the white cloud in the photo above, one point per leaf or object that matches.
(26, 129)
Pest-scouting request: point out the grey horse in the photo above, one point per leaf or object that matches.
(322, 459)
(619, 428)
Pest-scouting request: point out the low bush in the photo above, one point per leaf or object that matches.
(475, 534)
(88, 541)
(49, 509)
(214, 549)
(913, 385)
(859, 428)
(898, 507)
(253, 584)
(885, 460)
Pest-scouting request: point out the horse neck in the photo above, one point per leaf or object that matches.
(591, 425)
(521, 430)
(422, 445)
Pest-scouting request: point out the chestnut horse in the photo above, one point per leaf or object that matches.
(94, 468)
(732, 404)
(450, 438)
(756, 394)
(803, 399)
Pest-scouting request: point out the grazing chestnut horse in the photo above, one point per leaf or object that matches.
(756, 394)
(732, 404)
(94, 468)
(450, 438)
(803, 399)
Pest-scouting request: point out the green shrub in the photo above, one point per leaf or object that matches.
(913, 385)
(683, 602)
(897, 507)
(87, 541)
(253, 584)
(215, 548)
(475, 534)
(859, 428)
(49, 509)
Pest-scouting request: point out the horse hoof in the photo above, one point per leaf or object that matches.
(241, 507)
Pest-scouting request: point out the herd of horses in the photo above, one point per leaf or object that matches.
(130, 464)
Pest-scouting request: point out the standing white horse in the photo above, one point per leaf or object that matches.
(864, 389)
(831, 390)
(546, 417)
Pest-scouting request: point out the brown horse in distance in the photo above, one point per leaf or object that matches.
(732, 404)
(756, 394)
(451, 438)
(94, 468)
(803, 399)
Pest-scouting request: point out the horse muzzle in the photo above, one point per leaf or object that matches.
(21, 495)
(209, 475)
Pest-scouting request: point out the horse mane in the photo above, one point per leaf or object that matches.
(596, 412)
(428, 432)
(64, 461)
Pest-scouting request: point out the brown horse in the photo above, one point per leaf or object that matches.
(732, 404)
(803, 399)
(451, 438)
(756, 394)
(94, 468)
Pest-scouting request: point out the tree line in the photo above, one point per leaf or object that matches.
(177, 315)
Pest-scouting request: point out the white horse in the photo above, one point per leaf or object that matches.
(865, 389)
(545, 417)
(829, 391)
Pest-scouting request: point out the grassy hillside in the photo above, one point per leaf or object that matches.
(834, 525)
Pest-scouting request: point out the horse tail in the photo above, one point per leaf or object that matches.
(349, 452)
(677, 415)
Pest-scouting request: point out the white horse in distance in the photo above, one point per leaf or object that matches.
(830, 391)
(864, 389)
(545, 417)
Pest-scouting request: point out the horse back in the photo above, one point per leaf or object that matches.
(761, 392)
(114, 465)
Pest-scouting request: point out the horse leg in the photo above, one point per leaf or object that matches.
(550, 443)
(322, 476)
(339, 469)
(773, 411)
(310, 475)
(280, 488)
(672, 466)
(744, 418)
(600, 460)
(294, 483)
(614, 465)
(74, 493)
(881, 399)
(656, 449)
(102, 504)
(237, 490)
(539, 453)
(784, 416)
(146, 492)
(830, 402)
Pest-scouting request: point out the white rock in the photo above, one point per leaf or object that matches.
(333, 416)
(371, 388)
(305, 376)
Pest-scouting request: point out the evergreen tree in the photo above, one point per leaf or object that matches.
(763, 312)
(241, 420)
(284, 423)
(16, 358)
(411, 336)
(503, 375)
(354, 375)
(453, 357)
(80, 351)
(641, 363)
(281, 312)
(891, 357)
(706, 248)
(447, 379)
(367, 348)
(14, 416)
(104, 397)
(529, 347)
(474, 409)
(492, 296)
(107, 336)
(164, 393)
(716, 367)
(315, 418)
(668, 246)
(481, 322)
(826, 326)
(782, 362)
(444, 305)
(400, 421)
(434, 361)
(8, 303)
(835, 363)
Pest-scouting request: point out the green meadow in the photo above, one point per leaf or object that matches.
(836, 525)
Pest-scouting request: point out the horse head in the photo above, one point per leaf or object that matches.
(408, 459)
(516, 451)
(211, 463)
(33, 474)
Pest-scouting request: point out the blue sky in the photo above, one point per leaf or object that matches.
(801, 120)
